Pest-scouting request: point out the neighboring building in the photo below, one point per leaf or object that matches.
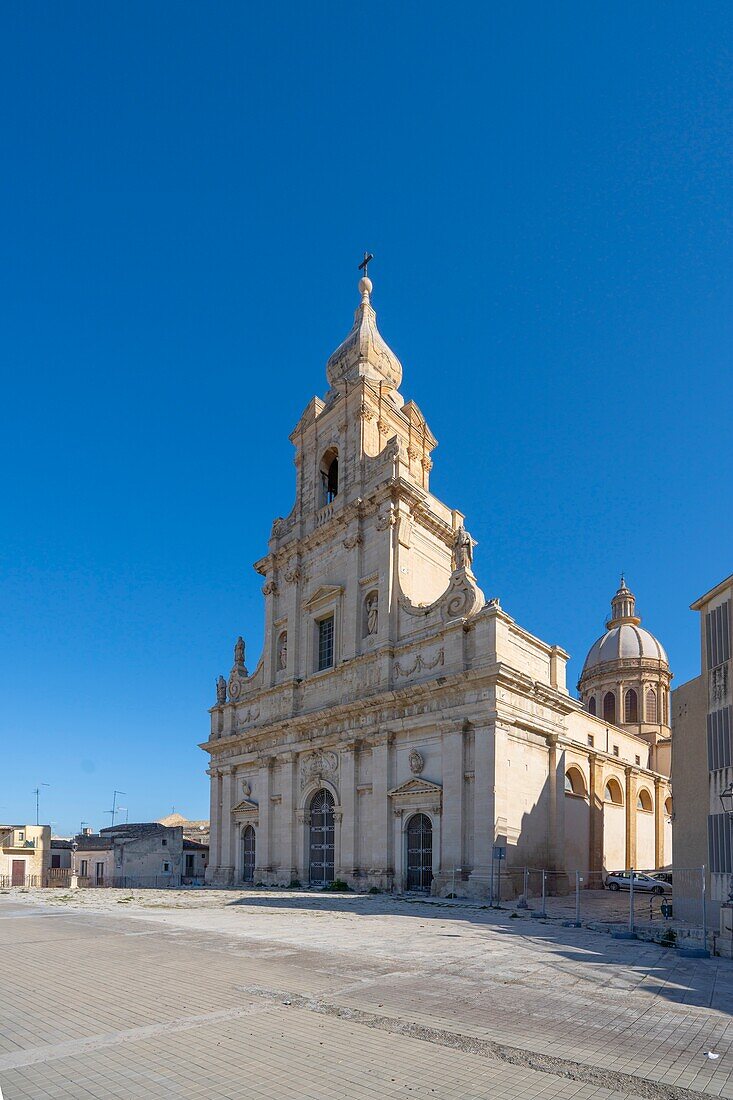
(398, 726)
(626, 677)
(192, 830)
(702, 758)
(24, 854)
(93, 859)
(144, 854)
(195, 859)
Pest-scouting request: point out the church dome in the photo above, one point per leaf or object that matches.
(622, 642)
(364, 354)
(624, 638)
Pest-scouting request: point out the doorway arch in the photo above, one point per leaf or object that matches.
(419, 853)
(321, 845)
(249, 844)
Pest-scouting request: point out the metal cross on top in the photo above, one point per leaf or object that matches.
(364, 265)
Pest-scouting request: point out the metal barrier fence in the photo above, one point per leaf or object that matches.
(61, 879)
(674, 901)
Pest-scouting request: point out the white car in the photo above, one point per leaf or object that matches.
(621, 880)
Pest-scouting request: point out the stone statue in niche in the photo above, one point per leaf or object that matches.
(372, 613)
(282, 651)
(221, 691)
(239, 651)
(463, 549)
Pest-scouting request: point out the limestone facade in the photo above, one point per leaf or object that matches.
(398, 725)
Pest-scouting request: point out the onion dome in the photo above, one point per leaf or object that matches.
(364, 354)
(624, 638)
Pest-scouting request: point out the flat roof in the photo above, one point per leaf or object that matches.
(727, 583)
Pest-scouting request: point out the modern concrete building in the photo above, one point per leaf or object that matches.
(702, 756)
(25, 852)
(399, 726)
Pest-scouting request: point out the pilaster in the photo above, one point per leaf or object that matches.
(453, 795)
(288, 859)
(595, 830)
(630, 817)
(381, 823)
(659, 853)
(348, 806)
(264, 777)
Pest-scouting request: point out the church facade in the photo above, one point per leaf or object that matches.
(399, 726)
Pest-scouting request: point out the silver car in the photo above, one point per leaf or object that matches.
(621, 880)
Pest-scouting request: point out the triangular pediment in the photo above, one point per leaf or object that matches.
(246, 806)
(323, 594)
(416, 786)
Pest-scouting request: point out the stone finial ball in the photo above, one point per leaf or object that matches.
(365, 285)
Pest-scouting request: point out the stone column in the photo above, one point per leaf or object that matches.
(381, 816)
(453, 796)
(347, 865)
(630, 817)
(263, 833)
(288, 862)
(595, 824)
(659, 854)
(226, 866)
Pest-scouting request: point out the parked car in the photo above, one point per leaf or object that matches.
(621, 880)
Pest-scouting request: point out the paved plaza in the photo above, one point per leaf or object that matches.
(280, 994)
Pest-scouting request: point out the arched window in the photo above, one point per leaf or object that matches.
(665, 706)
(248, 859)
(631, 706)
(609, 707)
(613, 793)
(329, 476)
(322, 833)
(644, 800)
(651, 705)
(668, 806)
(592, 705)
(575, 782)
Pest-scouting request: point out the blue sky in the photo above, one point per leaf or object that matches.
(187, 190)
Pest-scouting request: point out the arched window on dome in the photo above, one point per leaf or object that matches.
(631, 706)
(592, 705)
(609, 707)
(665, 706)
(329, 470)
(651, 705)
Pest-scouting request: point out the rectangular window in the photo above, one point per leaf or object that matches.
(84, 868)
(720, 741)
(325, 643)
(21, 837)
(720, 842)
(717, 635)
(166, 868)
(56, 861)
(637, 759)
(615, 750)
(591, 740)
(165, 841)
